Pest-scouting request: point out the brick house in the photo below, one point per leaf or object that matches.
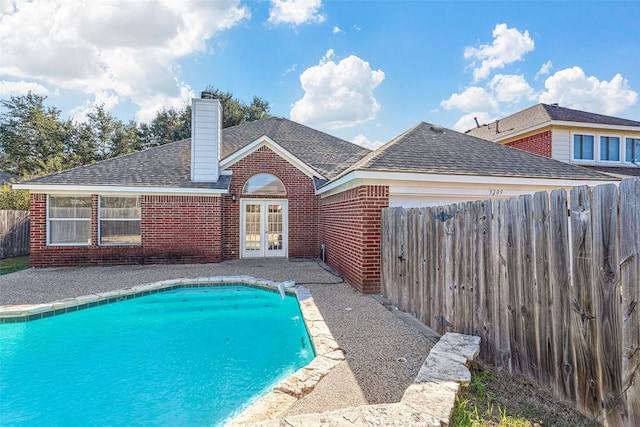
(269, 188)
(603, 143)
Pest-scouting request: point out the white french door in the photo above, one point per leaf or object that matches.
(264, 228)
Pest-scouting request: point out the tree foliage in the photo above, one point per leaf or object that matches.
(35, 140)
(11, 199)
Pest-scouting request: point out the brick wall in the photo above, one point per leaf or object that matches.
(539, 144)
(303, 204)
(175, 229)
(350, 229)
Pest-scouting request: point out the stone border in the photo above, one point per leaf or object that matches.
(429, 401)
(283, 395)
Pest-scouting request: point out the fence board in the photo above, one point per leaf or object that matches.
(630, 285)
(583, 312)
(514, 278)
(607, 300)
(484, 268)
(527, 286)
(559, 277)
(544, 316)
(14, 233)
(501, 298)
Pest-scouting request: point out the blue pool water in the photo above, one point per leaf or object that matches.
(186, 357)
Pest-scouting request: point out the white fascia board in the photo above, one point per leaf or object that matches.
(419, 180)
(617, 128)
(275, 147)
(103, 189)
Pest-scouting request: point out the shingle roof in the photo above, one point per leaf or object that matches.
(324, 153)
(619, 171)
(539, 115)
(7, 177)
(431, 149)
(169, 165)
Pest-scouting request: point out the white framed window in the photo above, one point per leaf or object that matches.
(68, 220)
(264, 184)
(632, 150)
(583, 147)
(609, 148)
(119, 220)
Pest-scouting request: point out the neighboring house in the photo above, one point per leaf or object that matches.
(604, 143)
(270, 188)
(6, 178)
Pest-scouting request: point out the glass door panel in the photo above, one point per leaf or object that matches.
(274, 227)
(253, 224)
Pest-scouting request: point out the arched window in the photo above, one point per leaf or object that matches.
(264, 184)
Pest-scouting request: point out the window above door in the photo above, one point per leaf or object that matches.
(264, 184)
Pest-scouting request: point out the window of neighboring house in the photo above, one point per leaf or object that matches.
(264, 184)
(119, 221)
(583, 147)
(632, 150)
(610, 148)
(69, 220)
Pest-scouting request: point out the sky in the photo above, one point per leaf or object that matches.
(362, 70)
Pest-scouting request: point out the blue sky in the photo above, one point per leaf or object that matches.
(365, 71)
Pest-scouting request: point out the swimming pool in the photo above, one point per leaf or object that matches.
(188, 356)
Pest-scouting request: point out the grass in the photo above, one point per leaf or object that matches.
(9, 265)
(479, 408)
(496, 398)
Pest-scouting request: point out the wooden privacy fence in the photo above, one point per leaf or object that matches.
(553, 296)
(14, 233)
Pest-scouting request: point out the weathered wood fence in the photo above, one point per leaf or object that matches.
(14, 233)
(553, 295)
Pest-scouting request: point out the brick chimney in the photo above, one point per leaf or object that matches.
(206, 127)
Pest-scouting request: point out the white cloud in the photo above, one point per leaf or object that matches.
(468, 121)
(8, 88)
(112, 51)
(571, 88)
(363, 141)
(544, 69)
(509, 45)
(510, 88)
(473, 98)
(336, 30)
(338, 95)
(295, 12)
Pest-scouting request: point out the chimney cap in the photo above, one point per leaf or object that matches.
(207, 94)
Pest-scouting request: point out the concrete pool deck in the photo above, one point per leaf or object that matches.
(382, 355)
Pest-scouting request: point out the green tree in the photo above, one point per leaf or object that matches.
(102, 136)
(236, 112)
(33, 138)
(11, 199)
(167, 126)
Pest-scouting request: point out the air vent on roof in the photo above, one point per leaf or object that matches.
(206, 94)
(437, 129)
